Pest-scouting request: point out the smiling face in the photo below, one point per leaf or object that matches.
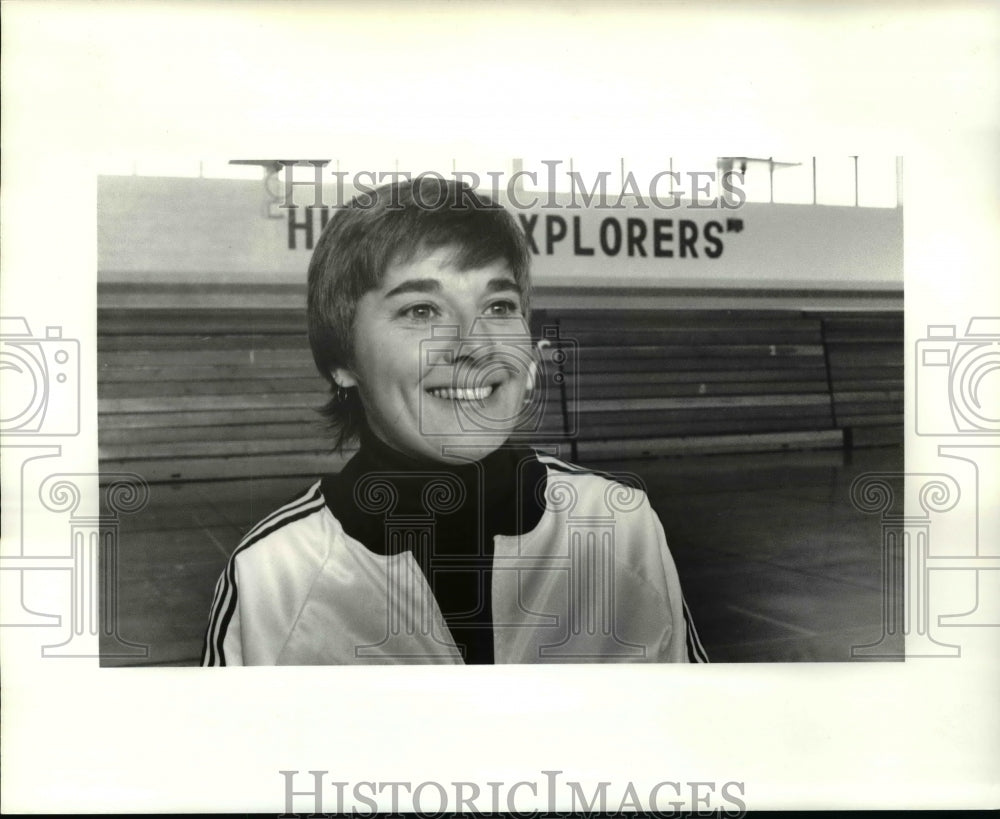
(442, 358)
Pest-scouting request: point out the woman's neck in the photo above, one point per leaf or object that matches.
(375, 451)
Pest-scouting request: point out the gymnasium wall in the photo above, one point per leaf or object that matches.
(156, 233)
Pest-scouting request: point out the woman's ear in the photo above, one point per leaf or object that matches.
(532, 376)
(344, 378)
(535, 363)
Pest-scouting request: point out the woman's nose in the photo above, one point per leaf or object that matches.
(461, 342)
(472, 337)
(485, 337)
(472, 333)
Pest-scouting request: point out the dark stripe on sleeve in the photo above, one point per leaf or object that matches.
(567, 468)
(207, 653)
(231, 572)
(228, 578)
(696, 651)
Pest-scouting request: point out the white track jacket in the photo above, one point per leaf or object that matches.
(594, 581)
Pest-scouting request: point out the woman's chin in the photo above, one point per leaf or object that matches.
(455, 449)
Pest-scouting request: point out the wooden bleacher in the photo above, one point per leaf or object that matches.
(865, 354)
(201, 394)
(646, 383)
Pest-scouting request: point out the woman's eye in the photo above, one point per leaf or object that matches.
(419, 312)
(505, 307)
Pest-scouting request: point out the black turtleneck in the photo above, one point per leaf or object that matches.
(447, 515)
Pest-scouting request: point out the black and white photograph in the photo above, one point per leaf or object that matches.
(643, 359)
(659, 378)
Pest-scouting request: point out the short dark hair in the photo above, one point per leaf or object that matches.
(391, 225)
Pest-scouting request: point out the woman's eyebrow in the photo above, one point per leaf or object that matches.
(499, 285)
(502, 285)
(415, 286)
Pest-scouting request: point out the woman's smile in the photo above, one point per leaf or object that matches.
(442, 357)
(460, 394)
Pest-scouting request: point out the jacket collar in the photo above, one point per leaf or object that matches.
(502, 494)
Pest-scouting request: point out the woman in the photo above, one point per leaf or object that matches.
(442, 540)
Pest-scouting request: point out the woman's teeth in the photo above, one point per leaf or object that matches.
(469, 394)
